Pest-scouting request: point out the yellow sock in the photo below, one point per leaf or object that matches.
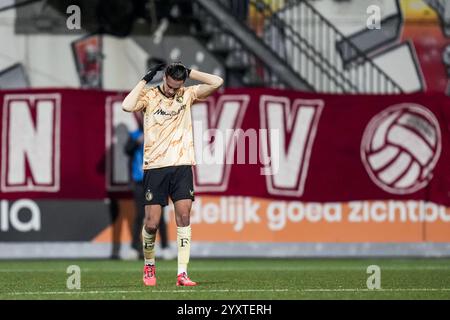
(148, 246)
(184, 247)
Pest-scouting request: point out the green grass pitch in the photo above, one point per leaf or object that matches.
(225, 279)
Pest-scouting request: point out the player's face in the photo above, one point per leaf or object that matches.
(171, 86)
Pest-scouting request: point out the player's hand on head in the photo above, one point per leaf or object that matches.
(152, 72)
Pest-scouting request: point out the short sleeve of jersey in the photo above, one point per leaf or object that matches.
(194, 93)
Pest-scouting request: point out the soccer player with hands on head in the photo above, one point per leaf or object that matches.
(168, 155)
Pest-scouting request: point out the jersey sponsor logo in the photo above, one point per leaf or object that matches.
(171, 113)
(400, 148)
(31, 143)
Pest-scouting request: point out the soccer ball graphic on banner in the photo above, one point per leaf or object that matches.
(400, 148)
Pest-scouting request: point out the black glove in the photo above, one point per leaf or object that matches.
(152, 72)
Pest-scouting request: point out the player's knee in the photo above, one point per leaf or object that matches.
(183, 219)
(150, 227)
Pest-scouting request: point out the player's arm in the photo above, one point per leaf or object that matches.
(210, 83)
(132, 101)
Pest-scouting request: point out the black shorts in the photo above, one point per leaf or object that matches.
(160, 183)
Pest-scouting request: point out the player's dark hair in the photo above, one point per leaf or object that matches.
(177, 71)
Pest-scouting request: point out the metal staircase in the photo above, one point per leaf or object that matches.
(242, 67)
(248, 60)
(301, 38)
(310, 48)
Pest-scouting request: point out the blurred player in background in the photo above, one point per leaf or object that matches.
(168, 155)
(134, 149)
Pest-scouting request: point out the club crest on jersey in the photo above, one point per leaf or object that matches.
(179, 99)
(148, 195)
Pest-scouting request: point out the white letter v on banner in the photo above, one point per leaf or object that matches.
(289, 160)
(212, 141)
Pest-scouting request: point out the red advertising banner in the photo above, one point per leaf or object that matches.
(53, 144)
(272, 165)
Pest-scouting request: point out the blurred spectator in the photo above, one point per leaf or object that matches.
(134, 149)
(239, 8)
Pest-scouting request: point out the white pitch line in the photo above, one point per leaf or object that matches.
(146, 291)
(375, 290)
(201, 269)
(225, 291)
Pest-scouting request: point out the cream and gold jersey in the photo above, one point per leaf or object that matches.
(168, 138)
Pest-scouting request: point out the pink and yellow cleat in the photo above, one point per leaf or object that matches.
(149, 275)
(183, 280)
